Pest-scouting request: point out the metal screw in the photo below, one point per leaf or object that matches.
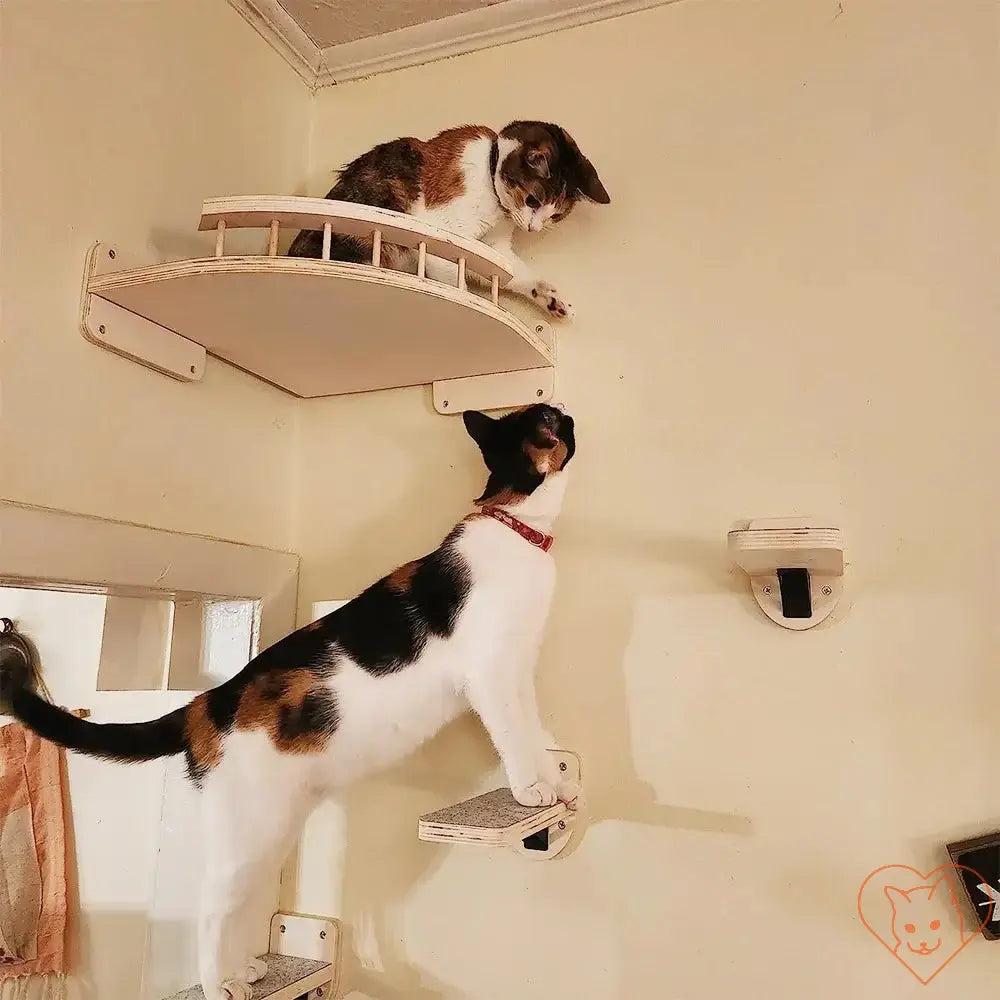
(562, 824)
(112, 254)
(100, 329)
(282, 928)
(563, 765)
(193, 369)
(767, 591)
(827, 591)
(540, 392)
(319, 991)
(539, 328)
(322, 935)
(444, 403)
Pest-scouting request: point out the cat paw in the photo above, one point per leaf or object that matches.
(256, 970)
(541, 793)
(551, 301)
(568, 792)
(232, 990)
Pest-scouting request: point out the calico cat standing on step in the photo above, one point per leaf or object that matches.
(362, 687)
(474, 182)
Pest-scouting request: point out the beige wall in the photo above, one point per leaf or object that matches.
(789, 306)
(118, 119)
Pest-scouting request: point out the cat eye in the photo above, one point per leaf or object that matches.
(532, 202)
(910, 928)
(935, 924)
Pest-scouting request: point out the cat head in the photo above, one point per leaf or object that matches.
(522, 450)
(541, 174)
(917, 915)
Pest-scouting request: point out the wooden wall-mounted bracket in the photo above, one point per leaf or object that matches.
(125, 333)
(795, 566)
(495, 819)
(381, 327)
(304, 961)
(494, 392)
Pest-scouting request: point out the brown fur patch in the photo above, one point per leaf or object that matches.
(549, 167)
(268, 696)
(547, 460)
(204, 740)
(400, 579)
(441, 175)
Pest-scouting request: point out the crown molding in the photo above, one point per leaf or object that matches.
(443, 38)
(275, 25)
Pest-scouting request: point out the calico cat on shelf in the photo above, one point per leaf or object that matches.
(362, 687)
(474, 182)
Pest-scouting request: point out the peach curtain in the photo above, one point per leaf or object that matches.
(33, 903)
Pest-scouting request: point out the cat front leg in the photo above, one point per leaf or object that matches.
(547, 297)
(532, 774)
(566, 791)
(525, 282)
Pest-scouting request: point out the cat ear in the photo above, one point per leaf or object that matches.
(587, 181)
(896, 896)
(479, 425)
(944, 884)
(538, 160)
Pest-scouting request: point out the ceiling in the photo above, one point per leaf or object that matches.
(333, 22)
(333, 41)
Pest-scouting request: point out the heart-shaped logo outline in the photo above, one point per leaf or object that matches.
(923, 880)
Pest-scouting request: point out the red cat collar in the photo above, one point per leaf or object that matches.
(538, 538)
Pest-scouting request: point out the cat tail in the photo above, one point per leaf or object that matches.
(124, 742)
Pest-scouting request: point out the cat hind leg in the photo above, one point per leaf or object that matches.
(245, 844)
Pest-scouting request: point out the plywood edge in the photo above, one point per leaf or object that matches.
(351, 219)
(498, 391)
(103, 285)
(280, 986)
(132, 336)
(481, 820)
(310, 936)
(457, 833)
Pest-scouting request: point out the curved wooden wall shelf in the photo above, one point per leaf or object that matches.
(323, 327)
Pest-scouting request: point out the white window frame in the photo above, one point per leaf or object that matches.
(50, 549)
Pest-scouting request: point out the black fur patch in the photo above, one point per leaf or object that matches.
(387, 176)
(315, 715)
(567, 171)
(505, 444)
(128, 741)
(385, 628)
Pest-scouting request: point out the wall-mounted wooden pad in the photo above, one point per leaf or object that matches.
(494, 819)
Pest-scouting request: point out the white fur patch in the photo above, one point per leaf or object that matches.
(476, 211)
(487, 664)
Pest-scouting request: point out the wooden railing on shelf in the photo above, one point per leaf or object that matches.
(271, 212)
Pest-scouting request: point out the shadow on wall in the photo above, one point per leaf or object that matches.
(593, 716)
(584, 704)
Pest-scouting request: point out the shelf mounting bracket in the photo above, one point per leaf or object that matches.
(116, 329)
